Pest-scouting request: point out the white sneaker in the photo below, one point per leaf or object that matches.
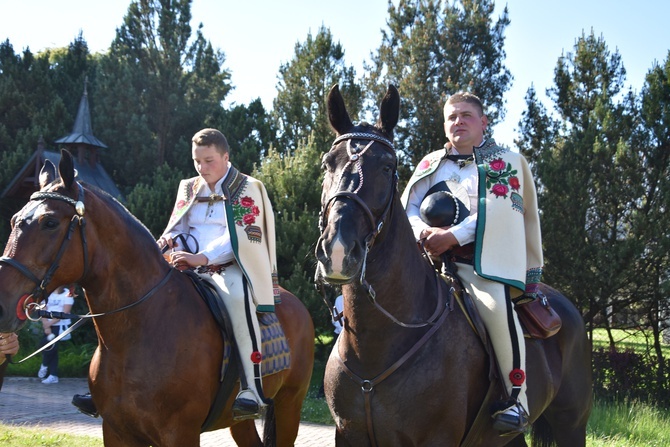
(50, 379)
(42, 373)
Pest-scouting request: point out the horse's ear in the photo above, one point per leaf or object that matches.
(47, 174)
(66, 168)
(389, 110)
(337, 112)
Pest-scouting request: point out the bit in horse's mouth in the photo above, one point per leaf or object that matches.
(338, 281)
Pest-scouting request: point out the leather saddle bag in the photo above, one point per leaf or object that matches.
(537, 317)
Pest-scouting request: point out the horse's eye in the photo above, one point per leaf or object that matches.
(327, 162)
(49, 223)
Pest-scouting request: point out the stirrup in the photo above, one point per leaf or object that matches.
(245, 408)
(511, 419)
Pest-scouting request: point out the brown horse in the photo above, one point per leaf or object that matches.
(407, 369)
(155, 373)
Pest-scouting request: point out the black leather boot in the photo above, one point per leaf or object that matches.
(84, 403)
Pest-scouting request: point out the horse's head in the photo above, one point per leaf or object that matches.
(359, 187)
(46, 247)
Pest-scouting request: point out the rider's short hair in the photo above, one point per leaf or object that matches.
(468, 97)
(211, 137)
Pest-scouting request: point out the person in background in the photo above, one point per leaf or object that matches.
(337, 322)
(60, 300)
(493, 238)
(338, 307)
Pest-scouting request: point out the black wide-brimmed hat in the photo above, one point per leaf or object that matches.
(445, 204)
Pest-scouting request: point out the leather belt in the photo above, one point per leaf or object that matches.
(213, 268)
(465, 254)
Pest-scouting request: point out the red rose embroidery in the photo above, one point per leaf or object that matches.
(514, 183)
(181, 204)
(245, 211)
(425, 164)
(249, 219)
(497, 165)
(499, 190)
(500, 177)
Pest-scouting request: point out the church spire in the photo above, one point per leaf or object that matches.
(82, 137)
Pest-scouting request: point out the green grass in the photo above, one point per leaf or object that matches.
(628, 425)
(625, 339)
(11, 436)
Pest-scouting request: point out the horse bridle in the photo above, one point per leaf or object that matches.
(32, 300)
(37, 295)
(355, 154)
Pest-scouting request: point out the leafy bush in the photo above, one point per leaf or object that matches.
(629, 375)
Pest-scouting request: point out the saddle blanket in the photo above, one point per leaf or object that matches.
(275, 349)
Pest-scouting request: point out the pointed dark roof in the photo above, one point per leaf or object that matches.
(26, 180)
(82, 132)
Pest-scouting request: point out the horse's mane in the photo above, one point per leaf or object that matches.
(365, 126)
(135, 226)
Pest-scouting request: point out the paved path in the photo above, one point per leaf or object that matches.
(27, 402)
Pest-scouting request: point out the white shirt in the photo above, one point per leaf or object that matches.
(58, 301)
(467, 176)
(207, 224)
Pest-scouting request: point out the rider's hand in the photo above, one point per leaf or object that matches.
(438, 240)
(165, 242)
(186, 259)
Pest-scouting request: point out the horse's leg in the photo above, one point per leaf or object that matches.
(288, 404)
(113, 438)
(567, 427)
(245, 434)
(340, 440)
(518, 441)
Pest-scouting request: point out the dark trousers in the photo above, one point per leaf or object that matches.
(50, 356)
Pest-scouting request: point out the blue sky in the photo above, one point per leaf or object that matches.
(257, 36)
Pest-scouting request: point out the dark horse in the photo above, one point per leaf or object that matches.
(155, 373)
(407, 369)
